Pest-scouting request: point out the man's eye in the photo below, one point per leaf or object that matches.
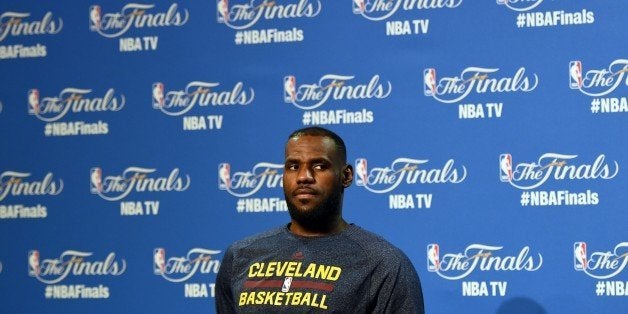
(291, 167)
(319, 166)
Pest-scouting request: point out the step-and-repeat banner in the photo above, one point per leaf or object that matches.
(139, 139)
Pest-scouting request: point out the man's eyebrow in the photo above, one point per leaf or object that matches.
(320, 159)
(313, 160)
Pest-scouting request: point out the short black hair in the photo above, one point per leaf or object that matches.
(318, 131)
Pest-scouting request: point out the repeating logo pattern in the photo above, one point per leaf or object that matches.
(202, 94)
(182, 268)
(598, 82)
(17, 184)
(247, 183)
(16, 24)
(531, 175)
(600, 265)
(136, 179)
(520, 5)
(406, 170)
(480, 80)
(134, 15)
(377, 10)
(72, 100)
(58, 63)
(73, 263)
(241, 15)
(479, 257)
(333, 87)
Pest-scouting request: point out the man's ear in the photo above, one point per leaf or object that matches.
(347, 176)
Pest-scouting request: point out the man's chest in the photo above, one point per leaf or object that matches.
(301, 278)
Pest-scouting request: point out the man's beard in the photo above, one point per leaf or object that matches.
(318, 218)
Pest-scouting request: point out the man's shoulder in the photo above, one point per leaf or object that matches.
(373, 244)
(261, 237)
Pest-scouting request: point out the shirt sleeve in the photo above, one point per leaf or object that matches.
(224, 295)
(400, 288)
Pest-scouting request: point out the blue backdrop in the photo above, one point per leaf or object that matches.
(139, 139)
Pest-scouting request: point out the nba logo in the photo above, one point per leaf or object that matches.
(505, 167)
(224, 176)
(94, 17)
(575, 74)
(361, 171)
(289, 88)
(33, 263)
(95, 180)
(222, 11)
(286, 284)
(33, 101)
(159, 261)
(429, 82)
(358, 6)
(158, 95)
(433, 257)
(580, 256)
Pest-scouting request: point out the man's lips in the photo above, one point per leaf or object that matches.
(304, 192)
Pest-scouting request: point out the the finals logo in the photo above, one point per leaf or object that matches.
(71, 99)
(18, 184)
(520, 5)
(377, 10)
(332, 87)
(17, 24)
(600, 265)
(182, 268)
(531, 175)
(111, 25)
(247, 183)
(452, 89)
(240, 15)
(406, 170)
(137, 179)
(480, 257)
(598, 82)
(72, 263)
(203, 94)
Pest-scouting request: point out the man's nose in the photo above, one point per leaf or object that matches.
(304, 175)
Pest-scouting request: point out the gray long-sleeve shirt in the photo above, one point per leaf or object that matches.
(354, 271)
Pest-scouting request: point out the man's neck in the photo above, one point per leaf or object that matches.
(335, 227)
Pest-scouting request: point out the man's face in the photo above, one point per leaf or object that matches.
(313, 180)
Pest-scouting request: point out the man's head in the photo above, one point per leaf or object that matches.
(315, 176)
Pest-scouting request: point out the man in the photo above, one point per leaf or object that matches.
(318, 262)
